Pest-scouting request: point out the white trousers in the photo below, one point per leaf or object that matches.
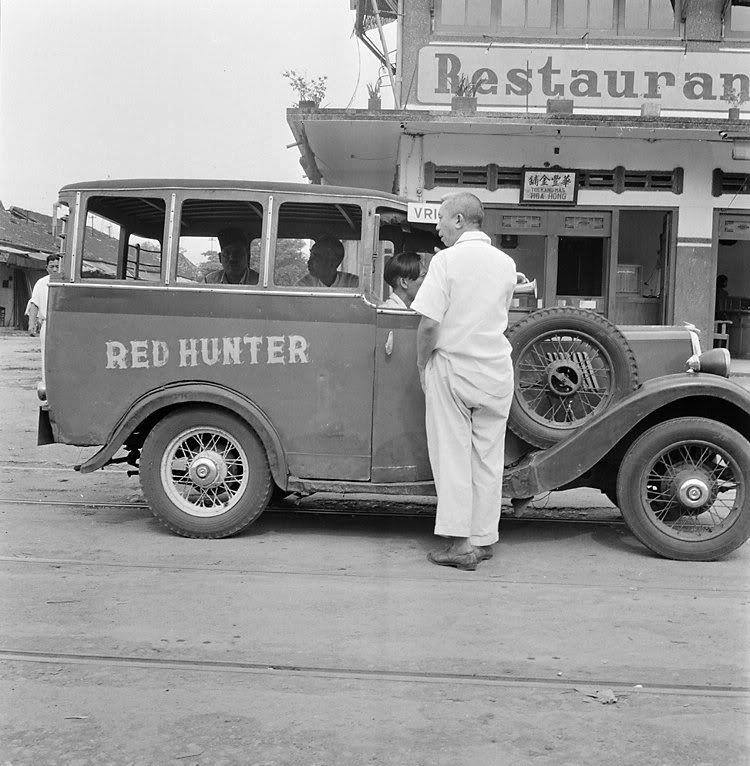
(466, 443)
(43, 339)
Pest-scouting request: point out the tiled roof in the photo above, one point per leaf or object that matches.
(26, 230)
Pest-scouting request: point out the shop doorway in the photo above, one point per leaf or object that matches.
(732, 297)
(643, 247)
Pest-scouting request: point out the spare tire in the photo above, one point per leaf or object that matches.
(569, 366)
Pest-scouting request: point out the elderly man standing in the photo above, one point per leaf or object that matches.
(466, 373)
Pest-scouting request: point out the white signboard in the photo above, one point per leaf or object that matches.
(557, 186)
(423, 212)
(611, 78)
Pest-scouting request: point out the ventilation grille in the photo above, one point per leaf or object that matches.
(493, 177)
(730, 183)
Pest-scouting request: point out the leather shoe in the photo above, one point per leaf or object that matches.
(467, 561)
(483, 552)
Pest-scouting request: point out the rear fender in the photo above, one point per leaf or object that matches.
(654, 401)
(169, 397)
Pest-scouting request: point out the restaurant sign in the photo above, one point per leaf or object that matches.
(549, 186)
(604, 78)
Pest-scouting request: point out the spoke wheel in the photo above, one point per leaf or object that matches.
(205, 473)
(569, 366)
(683, 489)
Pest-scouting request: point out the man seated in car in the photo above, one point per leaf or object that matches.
(234, 258)
(326, 256)
(405, 273)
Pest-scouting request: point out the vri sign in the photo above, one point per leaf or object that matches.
(422, 212)
(620, 79)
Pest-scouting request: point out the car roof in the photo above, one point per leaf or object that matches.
(134, 184)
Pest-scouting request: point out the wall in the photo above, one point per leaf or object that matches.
(694, 262)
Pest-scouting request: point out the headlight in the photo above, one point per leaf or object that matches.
(41, 391)
(716, 361)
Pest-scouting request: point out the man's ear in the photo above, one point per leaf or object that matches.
(403, 283)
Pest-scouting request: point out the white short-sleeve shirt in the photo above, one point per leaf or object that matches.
(39, 298)
(393, 302)
(468, 290)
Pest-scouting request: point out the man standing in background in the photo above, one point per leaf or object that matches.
(36, 309)
(466, 373)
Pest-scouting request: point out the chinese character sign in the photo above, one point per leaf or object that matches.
(549, 186)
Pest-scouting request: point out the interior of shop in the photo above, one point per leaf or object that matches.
(642, 250)
(732, 306)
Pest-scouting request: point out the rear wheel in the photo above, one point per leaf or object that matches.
(205, 473)
(683, 489)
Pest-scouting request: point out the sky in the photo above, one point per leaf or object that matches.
(97, 89)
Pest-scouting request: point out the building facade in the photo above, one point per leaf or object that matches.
(608, 139)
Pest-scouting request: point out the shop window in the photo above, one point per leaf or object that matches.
(651, 15)
(580, 266)
(123, 238)
(529, 14)
(600, 18)
(737, 21)
(588, 14)
(465, 13)
(220, 241)
(319, 246)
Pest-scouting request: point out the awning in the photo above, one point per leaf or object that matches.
(22, 259)
(358, 147)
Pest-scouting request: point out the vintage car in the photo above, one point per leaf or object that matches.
(225, 394)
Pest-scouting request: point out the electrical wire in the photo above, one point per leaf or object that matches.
(359, 69)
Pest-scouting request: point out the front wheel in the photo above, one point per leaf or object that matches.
(205, 473)
(683, 489)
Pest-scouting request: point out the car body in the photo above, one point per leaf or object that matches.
(322, 379)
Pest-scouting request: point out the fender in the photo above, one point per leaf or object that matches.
(559, 465)
(193, 393)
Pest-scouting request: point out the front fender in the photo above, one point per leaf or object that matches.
(560, 465)
(193, 393)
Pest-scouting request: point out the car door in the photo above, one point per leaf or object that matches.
(399, 443)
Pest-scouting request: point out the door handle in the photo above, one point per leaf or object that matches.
(389, 343)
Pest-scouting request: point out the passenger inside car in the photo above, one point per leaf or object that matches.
(234, 258)
(404, 272)
(326, 256)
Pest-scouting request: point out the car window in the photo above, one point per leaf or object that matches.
(123, 238)
(220, 242)
(319, 246)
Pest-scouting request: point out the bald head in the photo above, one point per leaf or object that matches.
(468, 205)
(459, 213)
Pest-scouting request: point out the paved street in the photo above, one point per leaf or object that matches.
(329, 639)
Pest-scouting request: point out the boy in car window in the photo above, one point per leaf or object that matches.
(404, 273)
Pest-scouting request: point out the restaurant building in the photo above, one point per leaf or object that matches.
(608, 139)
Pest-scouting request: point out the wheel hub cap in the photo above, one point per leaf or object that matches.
(563, 377)
(693, 491)
(207, 469)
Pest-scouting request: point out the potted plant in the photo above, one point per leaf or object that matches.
(735, 98)
(464, 100)
(310, 90)
(373, 95)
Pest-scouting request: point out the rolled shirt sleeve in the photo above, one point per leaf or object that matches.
(433, 298)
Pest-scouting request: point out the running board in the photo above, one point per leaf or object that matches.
(410, 488)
